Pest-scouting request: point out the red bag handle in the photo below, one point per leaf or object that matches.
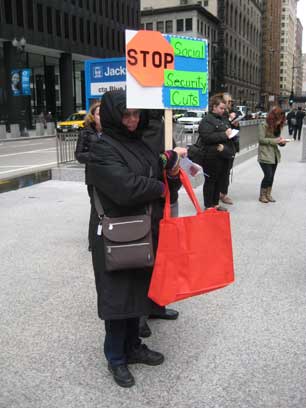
(188, 187)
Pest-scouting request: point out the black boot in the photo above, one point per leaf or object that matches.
(122, 375)
(144, 329)
(143, 355)
(168, 314)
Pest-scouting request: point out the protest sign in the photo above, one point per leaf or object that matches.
(166, 71)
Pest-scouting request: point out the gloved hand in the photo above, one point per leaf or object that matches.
(171, 162)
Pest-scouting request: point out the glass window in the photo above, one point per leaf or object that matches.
(169, 26)
(188, 24)
(30, 14)
(160, 26)
(88, 32)
(58, 23)
(40, 18)
(81, 26)
(8, 11)
(49, 21)
(74, 32)
(149, 26)
(19, 13)
(66, 25)
(95, 33)
(179, 25)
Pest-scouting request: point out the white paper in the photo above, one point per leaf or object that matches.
(234, 133)
(190, 167)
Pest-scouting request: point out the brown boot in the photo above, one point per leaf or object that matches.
(263, 195)
(269, 197)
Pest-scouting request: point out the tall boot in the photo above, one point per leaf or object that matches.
(268, 195)
(263, 195)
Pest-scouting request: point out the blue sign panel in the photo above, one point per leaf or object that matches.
(103, 75)
(21, 82)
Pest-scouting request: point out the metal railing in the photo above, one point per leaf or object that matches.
(66, 142)
(65, 147)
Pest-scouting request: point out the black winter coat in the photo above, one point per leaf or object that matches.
(87, 137)
(124, 186)
(211, 133)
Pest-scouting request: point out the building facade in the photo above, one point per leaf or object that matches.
(191, 20)
(298, 60)
(288, 38)
(304, 75)
(239, 49)
(271, 34)
(52, 38)
(209, 5)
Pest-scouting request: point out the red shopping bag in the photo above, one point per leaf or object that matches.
(194, 254)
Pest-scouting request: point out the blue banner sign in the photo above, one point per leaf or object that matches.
(103, 75)
(20, 82)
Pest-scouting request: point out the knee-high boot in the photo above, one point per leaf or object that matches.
(263, 195)
(269, 196)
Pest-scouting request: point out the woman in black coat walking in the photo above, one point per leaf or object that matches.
(127, 176)
(91, 133)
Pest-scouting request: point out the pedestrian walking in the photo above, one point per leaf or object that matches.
(268, 152)
(91, 133)
(127, 176)
(291, 121)
(299, 117)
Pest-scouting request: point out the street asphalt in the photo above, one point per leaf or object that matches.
(243, 346)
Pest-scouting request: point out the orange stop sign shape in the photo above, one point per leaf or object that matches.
(148, 54)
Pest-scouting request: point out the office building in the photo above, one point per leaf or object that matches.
(49, 41)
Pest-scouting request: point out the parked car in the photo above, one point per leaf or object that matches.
(191, 120)
(177, 114)
(73, 123)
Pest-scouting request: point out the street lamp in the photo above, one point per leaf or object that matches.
(19, 44)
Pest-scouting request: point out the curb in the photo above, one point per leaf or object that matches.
(22, 138)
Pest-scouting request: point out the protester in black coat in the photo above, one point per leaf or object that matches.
(214, 138)
(230, 118)
(91, 133)
(121, 176)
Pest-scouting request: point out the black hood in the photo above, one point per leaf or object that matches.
(113, 105)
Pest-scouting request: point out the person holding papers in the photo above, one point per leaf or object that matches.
(268, 152)
(231, 118)
(215, 140)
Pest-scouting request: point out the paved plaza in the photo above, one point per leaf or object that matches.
(240, 347)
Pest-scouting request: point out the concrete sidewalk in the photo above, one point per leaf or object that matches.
(239, 347)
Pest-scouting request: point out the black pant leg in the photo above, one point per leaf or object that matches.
(225, 178)
(211, 188)
(294, 132)
(115, 341)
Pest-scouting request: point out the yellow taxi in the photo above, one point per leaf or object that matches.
(73, 123)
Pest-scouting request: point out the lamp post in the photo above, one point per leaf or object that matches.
(19, 45)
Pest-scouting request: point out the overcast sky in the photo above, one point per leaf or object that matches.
(301, 13)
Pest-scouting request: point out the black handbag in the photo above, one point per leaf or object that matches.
(127, 240)
(195, 153)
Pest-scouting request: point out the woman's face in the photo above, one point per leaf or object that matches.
(97, 116)
(130, 119)
(219, 109)
(15, 78)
